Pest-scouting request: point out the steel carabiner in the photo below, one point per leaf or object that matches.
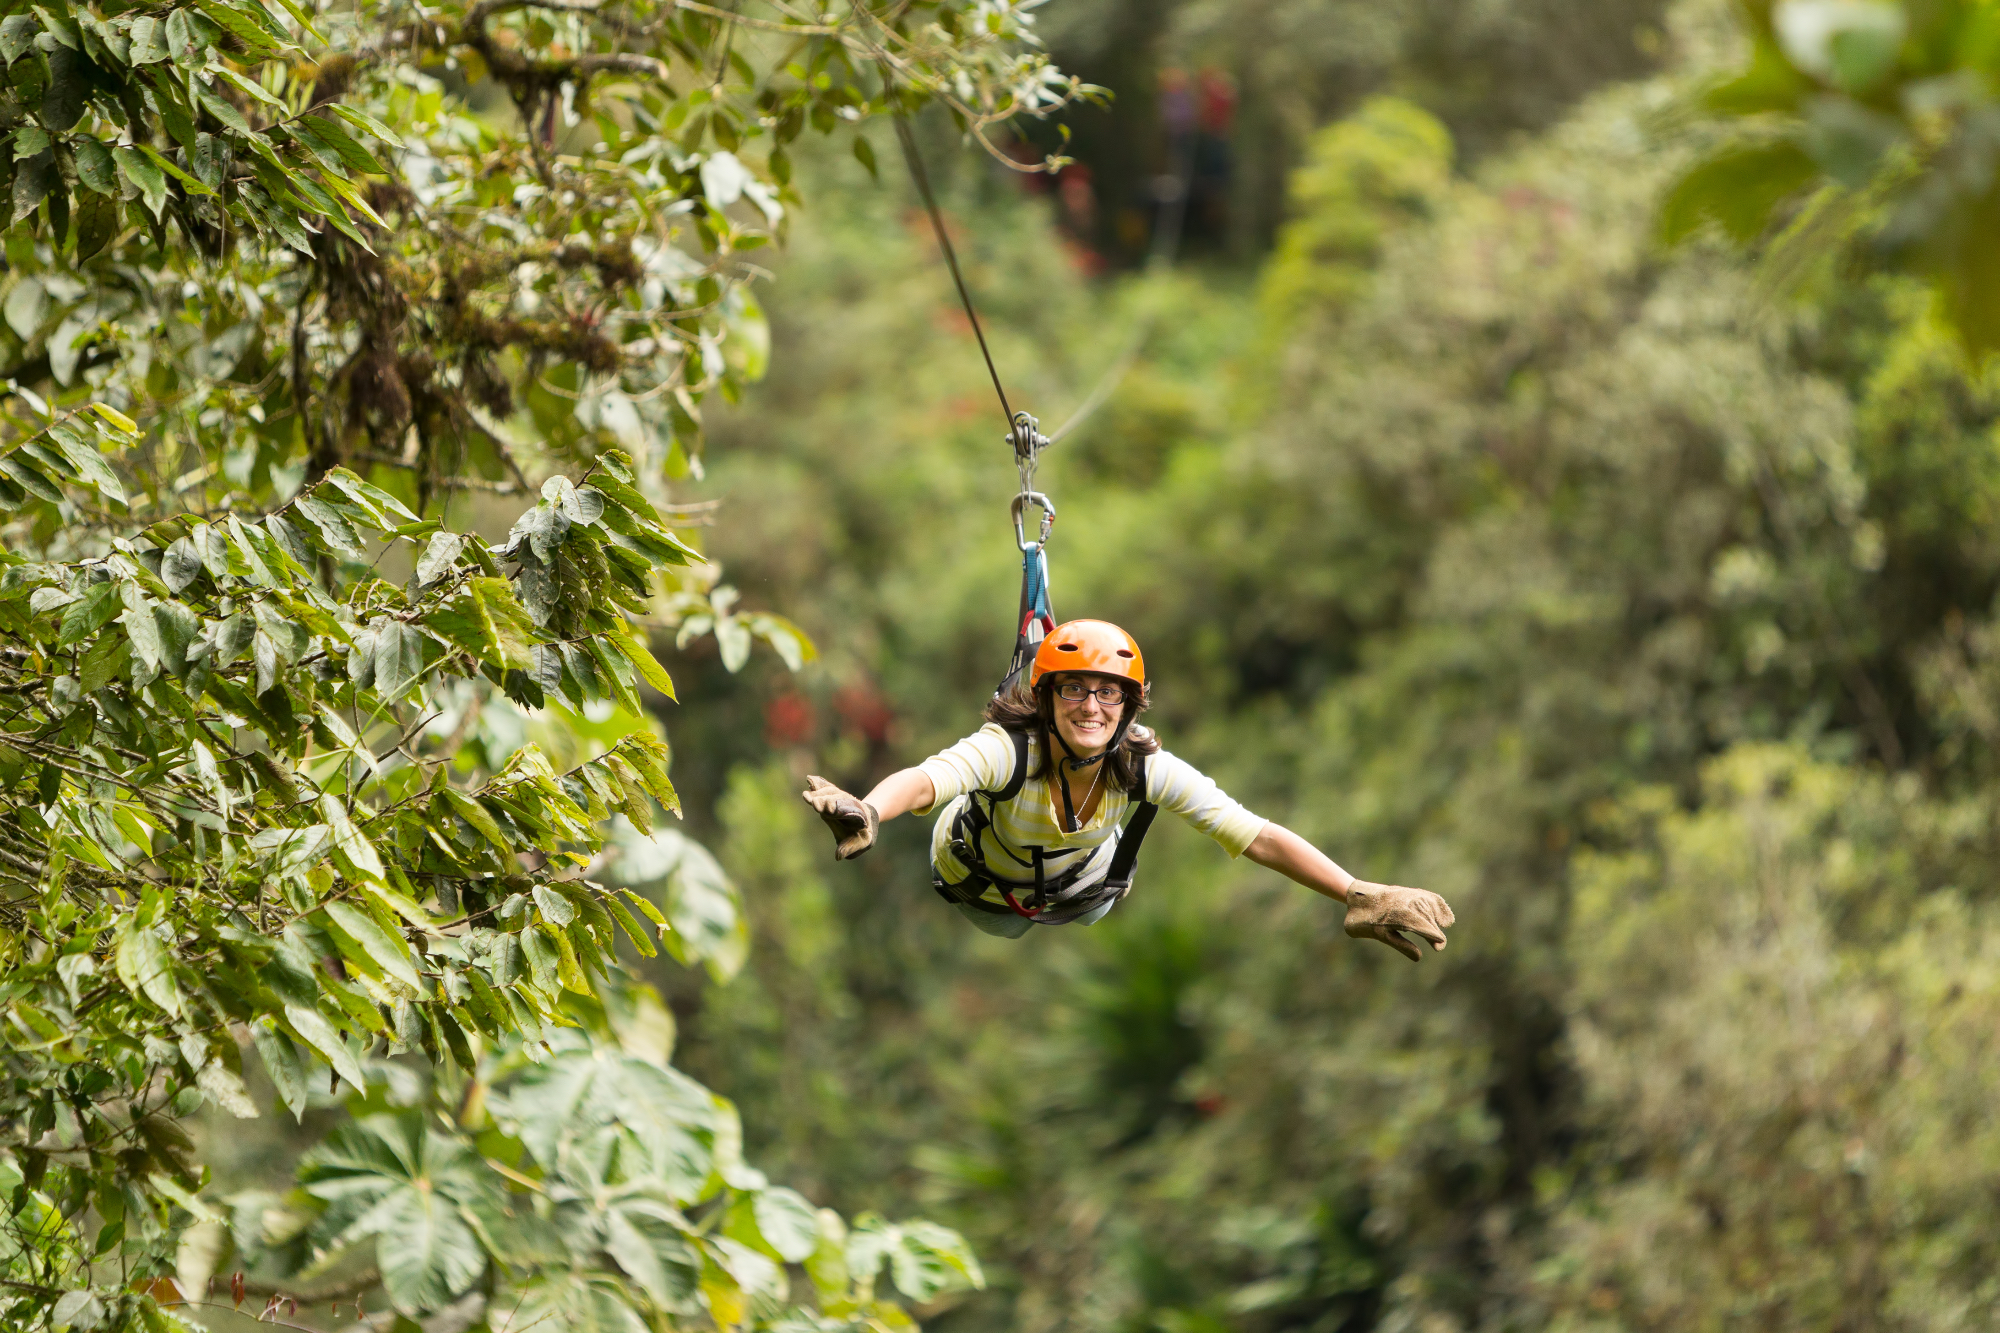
(1017, 508)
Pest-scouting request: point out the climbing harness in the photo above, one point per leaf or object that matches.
(1056, 900)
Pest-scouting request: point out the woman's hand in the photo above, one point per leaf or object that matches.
(852, 820)
(1384, 911)
(1374, 911)
(855, 821)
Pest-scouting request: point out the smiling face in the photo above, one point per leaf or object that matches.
(1087, 724)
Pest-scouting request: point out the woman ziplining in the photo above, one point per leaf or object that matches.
(1024, 837)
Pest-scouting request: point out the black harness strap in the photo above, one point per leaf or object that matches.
(1126, 859)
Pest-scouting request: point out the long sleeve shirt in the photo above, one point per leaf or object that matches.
(984, 762)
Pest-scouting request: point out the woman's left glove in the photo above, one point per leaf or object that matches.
(1384, 911)
(852, 819)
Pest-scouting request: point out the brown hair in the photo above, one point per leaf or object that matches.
(1033, 712)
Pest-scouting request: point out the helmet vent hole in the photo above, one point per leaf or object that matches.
(1066, 647)
(1124, 652)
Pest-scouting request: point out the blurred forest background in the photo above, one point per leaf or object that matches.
(1647, 616)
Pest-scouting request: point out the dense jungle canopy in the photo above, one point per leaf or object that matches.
(442, 446)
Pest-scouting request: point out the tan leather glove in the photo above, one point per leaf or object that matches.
(1384, 911)
(852, 819)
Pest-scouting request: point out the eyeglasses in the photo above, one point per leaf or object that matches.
(1076, 692)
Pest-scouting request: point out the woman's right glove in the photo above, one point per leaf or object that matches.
(852, 819)
(1384, 911)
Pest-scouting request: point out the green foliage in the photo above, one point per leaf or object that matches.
(592, 1185)
(1876, 117)
(300, 312)
(1794, 1066)
(1384, 167)
(1652, 625)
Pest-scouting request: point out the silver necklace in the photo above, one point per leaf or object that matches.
(1076, 816)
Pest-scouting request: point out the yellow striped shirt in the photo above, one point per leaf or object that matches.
(984, 761)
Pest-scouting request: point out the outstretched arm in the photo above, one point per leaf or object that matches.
(1374, 911)
(904, 790)
(1284, 851)
(854, 822)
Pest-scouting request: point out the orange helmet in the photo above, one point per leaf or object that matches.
(1089, 645)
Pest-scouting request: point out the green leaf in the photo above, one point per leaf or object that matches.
(123, 424)
(386, 950)
(145, 176)
(180, 566)
(641, 657)
(363, 121)
(105, 660)
(645, 905)
(335, 135)
(83, 454)
(33, 179)
(556, 909)
(613, 673)
(648, 755)
(477, 815)
(19, 466)
(928, 1258)
(293, 8)
(90, 612)
(17, 36)
(63, 31)
(647, 1241)
(223, 110)
(787, 1223)
(399, 660)
(95, 166)
(145, 966)
(439, 557)
(254, 90)
(630, 925)
(330, 523)
(385, 509)
(427, 1253)
(97, 225)
(175, 117)
(484, 618)
(149, 41)
(355, 853)
(165, 163)
(577, 1303)
(396, 903)
(1738, 189)
(281, 1064)
(827, 1265)
(543, 959)
(248, 23)
(142, 628)
(311, 1027)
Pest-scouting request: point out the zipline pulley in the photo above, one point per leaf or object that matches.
(1028, 442)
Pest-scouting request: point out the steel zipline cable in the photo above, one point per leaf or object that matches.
(923, 180)
(1166, 244)
(1036, 615)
